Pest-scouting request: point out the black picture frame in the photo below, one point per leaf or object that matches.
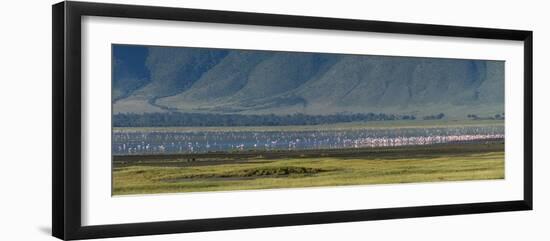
(66, 58)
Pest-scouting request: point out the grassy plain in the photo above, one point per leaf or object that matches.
(311, 168)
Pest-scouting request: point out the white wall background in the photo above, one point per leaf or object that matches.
(25, 98)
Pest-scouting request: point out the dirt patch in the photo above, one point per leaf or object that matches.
(253, 173)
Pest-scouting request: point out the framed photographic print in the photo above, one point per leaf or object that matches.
(170, 120)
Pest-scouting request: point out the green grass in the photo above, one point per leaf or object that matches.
(394, 165)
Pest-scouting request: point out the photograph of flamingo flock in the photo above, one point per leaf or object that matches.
(193, 119)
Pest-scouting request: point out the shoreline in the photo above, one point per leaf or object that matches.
(216, 158)
(397, 124)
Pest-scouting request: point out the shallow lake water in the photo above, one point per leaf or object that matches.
(135, 142)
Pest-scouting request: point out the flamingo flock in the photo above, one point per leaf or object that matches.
(158, 142)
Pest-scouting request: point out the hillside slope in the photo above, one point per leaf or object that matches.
(265, 82)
